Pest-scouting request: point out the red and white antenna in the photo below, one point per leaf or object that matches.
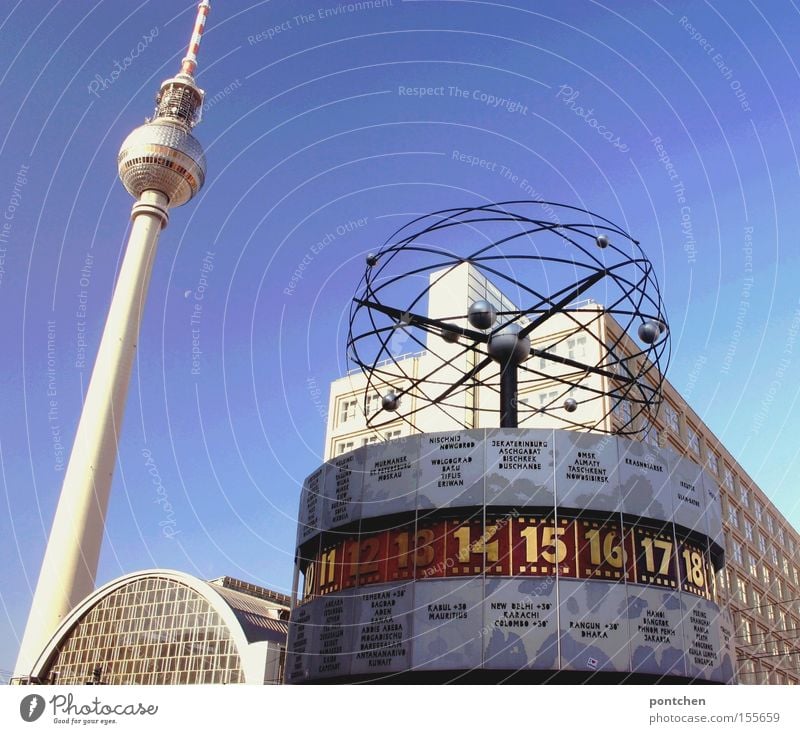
(189, 63)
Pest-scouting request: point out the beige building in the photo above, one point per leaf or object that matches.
(761, 580)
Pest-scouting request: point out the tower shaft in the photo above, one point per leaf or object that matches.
(163, 166)
(73, 549)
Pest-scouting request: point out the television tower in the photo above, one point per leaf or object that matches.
(163, 166)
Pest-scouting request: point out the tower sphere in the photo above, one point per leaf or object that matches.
(163, 156)
(506, 346)
(570, 405)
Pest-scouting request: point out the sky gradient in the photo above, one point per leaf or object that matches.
(327, 126)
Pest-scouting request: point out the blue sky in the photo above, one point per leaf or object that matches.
(677, 120)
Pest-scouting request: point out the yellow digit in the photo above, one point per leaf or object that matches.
(462, 536)
(694, 568)
(531, 544)
(548, 539)
(649, 555)
(649, 563)
(594, 546)
(490, 549)
(666, 546)
(424, 550)
(614, 554)
(308, 580)
(327, 569)
(401, 543)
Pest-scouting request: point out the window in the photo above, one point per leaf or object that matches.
(758, 508)
(393, 434)
(762, 544)
(766, 575)
(343, 446)
(728, 479)
(367, 440)
(347, 410)
(773, 553)
(737, 551)
(693, 440)
(373, 403)
(781, 537)
(786, 570)
(543, 363)
(613, 361)
(712, 463)
(741, 588)
(576, 347)
(744, 492)
(796, 577)
(748, 530)
(652, 437)
(545, 398)
(733, 516)
(748, 630)
(770, 524)
(753, 566)
(671, 417)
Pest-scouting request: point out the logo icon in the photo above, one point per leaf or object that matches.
(31, 707)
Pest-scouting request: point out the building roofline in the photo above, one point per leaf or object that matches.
(203, 588)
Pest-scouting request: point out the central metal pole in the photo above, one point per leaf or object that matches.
(508, 395)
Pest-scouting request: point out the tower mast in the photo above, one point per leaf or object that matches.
(163, 166)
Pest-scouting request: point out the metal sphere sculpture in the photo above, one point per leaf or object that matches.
(502, 309)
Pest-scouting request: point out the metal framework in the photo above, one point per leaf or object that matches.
(546, 256)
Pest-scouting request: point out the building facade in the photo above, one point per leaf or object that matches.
(167, 627)
(760, 583)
